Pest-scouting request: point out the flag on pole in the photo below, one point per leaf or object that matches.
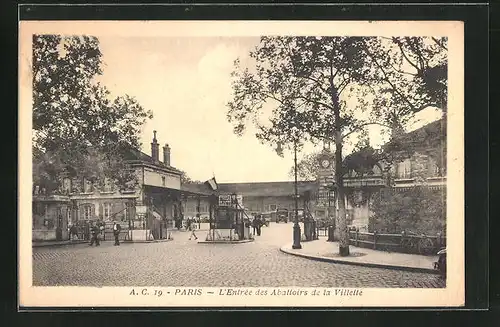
(212, 183)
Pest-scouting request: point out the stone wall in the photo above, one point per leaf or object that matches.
(43, 235)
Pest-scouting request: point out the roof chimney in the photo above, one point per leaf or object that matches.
(166, 155)
(155, 149)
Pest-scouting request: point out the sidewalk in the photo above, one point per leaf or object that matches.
(322, 250)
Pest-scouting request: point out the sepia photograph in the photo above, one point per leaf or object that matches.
(241, 163)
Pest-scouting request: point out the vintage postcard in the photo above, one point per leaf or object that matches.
(241, 164)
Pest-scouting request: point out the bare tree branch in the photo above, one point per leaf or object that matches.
(398, 43)
(439, 43)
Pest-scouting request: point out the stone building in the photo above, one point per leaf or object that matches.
(166, 201)
(271, 196)
(424, 165)
(158, 192)
(422, 161)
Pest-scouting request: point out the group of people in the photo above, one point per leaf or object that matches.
(257, 224)
(98, 229)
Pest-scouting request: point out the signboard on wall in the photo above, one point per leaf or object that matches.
(227, 200)
(141, 210)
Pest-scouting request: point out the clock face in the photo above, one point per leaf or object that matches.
(325, 163)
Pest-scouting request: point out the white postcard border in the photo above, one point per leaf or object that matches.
(452, 295)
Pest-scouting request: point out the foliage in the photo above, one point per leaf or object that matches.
(307, 167)
(411, 75)
(418, 209)
(362, 161)
(185, 179)
(74, 118)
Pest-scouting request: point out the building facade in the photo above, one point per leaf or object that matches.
(160, 198)
(422, 162)
(156, 199)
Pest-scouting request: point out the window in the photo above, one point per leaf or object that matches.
(107, 207)
(163, 180)
(128, 210)
(69, 219)
(87, 186)
(272, 207)
(87, 212)
(108, 185)
(404, 169)
(66, 185)
(191, 207)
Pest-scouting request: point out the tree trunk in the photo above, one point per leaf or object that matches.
(339, 181)
(339, 172)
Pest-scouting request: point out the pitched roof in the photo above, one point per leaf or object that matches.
(267, 188)
(136, 156)
(430, 136)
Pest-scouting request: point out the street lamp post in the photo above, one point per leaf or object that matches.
(296, 227)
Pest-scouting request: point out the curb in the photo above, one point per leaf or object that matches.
(153, 241)
(224, 242)
(41, 245)
(364, 264)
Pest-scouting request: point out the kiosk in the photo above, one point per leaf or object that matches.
(230, 222)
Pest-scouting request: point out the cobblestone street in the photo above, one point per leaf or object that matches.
(185, 263)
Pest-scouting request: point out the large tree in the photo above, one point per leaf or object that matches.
(316, 87)
(75, 120)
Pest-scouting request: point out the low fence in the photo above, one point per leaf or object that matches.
(404, 243)
(82, 233)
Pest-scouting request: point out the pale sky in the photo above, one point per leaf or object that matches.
(185, 82)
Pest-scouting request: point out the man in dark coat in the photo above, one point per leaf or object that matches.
(116, 232)
(258, 224)
(254, 225)
(94, 232)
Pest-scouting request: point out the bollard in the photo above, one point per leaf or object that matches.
(374, 240)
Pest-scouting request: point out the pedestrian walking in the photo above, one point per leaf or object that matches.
(259, 226)
(191, 227)
(116, 232)
(254, 225)
(94, 233)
